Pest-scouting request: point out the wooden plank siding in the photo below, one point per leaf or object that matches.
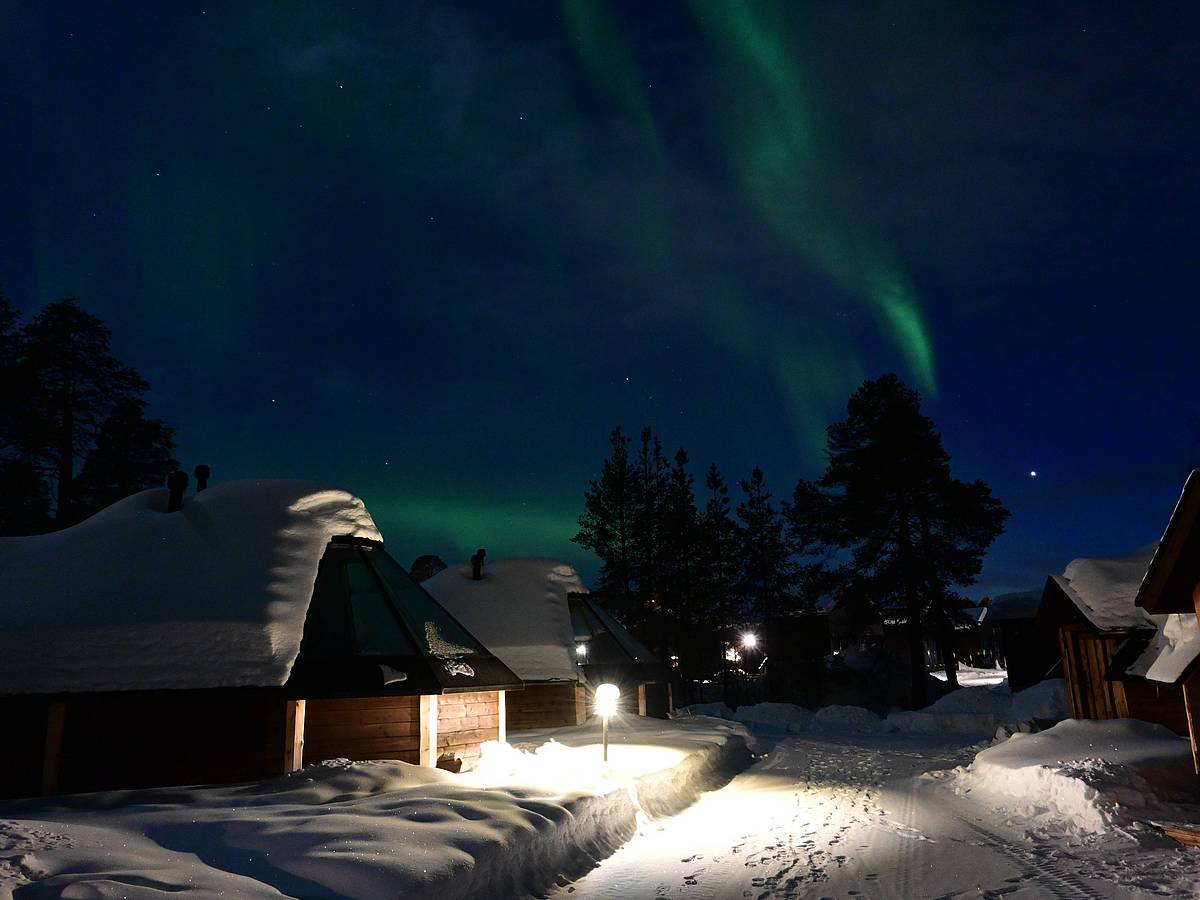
(1086, 658)
(464, 722)
(546, 706)
(361, 728)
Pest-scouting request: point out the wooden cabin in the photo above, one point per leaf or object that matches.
(260, 627)
(519, 608)
(1091, 607)
(1171, 593)
(608, 652)
(1027, 648)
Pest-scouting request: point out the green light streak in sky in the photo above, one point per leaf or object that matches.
(776, 160)
(504, 528)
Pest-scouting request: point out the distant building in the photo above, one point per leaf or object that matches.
(1028, 650)
(261, 627)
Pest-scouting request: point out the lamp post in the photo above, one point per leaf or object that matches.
(607, 696)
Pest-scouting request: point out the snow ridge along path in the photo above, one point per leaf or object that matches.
(525, 821)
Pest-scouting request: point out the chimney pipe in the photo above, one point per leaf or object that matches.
(202, 472)
(176, 483)
(477, 564)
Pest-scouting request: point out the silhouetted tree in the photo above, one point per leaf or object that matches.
(909, 530)
(768, 575)
(131, 453)
(71, 419)
(679, 575)
(607, 527)
(719, 562)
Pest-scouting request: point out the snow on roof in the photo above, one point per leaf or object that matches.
(136, 598)
(1172, 650)
(1018, 605)
(519, 609)
(1104, 588)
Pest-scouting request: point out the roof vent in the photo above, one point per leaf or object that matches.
(202, 473)
(477, 564)
(176, 483)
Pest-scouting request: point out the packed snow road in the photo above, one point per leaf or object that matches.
(845, 817)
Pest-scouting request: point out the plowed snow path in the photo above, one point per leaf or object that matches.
(845, 818)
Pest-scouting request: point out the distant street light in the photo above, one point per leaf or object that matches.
(607, 696)
(749, 640)
(581, 651)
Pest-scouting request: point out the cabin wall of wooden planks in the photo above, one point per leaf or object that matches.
(93, 742)
(361, 728)
(546, 706)
(657, 699)
(1086, 658)
(465, 721)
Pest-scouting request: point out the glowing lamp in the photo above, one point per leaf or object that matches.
(749, 640)
(581, 650)
(607, 696)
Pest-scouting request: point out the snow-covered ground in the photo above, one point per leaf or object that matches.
(837, 803)
(517, 824)
(853, 814)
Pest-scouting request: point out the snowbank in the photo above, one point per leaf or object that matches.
(524, 819)
(138, 598)
(847, 718)
(775, 716)
(1082, 776)
(979, 711)
(519, 610)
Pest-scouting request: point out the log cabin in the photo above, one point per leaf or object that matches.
(609, 652)
(1092, 608)
(535, 616)
(519, 607)
(1028, 650)
(257, 627)
(1170, 592)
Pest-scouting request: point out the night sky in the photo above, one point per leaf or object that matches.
(434, 252)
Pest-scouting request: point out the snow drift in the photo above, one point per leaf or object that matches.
(1082, 776)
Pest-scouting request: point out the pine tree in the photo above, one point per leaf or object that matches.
(718, 565)
(77, 384)
(910, 530)
(26, 505)
(680, 560)
(606, 527)
(131, 453)
(767, 579)
(651, 476)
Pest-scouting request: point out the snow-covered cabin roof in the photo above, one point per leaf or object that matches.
(1175, 570)
(1017, 605)
(250, 584)
(136, 598)
(1173, 651)
(1104, 588)
(608, 641)
(519, 609)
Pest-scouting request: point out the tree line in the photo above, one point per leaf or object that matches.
(74, 434)
(886, 530)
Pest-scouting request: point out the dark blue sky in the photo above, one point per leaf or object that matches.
(434, 252)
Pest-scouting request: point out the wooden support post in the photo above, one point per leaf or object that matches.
(501, 717)
(56, 715)
(642, 699)
(1191, 703)
(429, 730)
(670, 699)
(580, 703)
(293, 736)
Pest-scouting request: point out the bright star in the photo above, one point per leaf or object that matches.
(1033, 473)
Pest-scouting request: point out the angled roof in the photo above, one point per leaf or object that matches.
(1103, 589)
(1172, 652)
(1017, 605)
(519, 610)
(214, 595)
(1175, 570)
